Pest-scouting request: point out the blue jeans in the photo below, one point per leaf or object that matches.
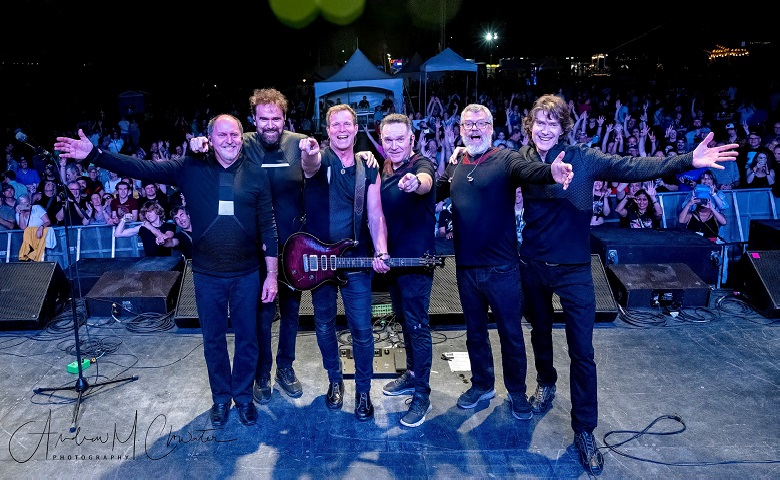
(411, 297)
(574, 286)
(496, 287)
(289, 309)
(356, 295)
(212, 297)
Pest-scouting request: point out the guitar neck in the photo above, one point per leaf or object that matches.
(367, 262)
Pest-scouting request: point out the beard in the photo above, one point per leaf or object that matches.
(475, 149)
(270, 138)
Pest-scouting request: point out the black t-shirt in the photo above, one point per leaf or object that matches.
(411, 218)
(330, 204)
(185, 242)
(151, 249)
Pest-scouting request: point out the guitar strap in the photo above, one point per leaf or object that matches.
(360, 195)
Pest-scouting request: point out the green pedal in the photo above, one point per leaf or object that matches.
(74, 367)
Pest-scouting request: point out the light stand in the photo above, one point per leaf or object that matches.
(82, 385)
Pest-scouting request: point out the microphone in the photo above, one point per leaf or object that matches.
(22, 138)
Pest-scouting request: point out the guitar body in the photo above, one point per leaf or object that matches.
(307, 263)
(303, 257)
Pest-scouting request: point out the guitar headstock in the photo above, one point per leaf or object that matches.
(431, 261)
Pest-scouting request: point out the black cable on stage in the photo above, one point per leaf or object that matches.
(150, 322)
(635, 435)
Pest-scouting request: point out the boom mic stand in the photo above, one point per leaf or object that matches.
(82, 385)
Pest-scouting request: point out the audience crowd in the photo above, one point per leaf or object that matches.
(616, 119)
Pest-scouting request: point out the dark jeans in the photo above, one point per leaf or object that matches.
(411, 297)
(496, 287)
(574, 286)
(356, 295)
(289, 303)
(212, 297)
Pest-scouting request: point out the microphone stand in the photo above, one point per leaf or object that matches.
(82, 385)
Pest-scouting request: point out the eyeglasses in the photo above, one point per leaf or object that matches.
(480, 125)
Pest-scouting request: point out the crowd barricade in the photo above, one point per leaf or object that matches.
(744, 205)
(89, 241)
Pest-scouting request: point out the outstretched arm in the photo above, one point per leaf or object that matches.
(77, 149)
(704, 156)
(311, 157)
(562, 172)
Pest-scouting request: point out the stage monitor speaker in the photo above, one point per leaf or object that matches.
(762, 281)
(606, 306)
(89, 270)
(186, 314)
(641, 245)
(133, 293)
(642, 285)
(764, 235)
(31, 294)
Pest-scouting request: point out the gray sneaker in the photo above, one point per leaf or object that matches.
(471, 397)
(419, 407)
(521, 409)
(541, 400)
(402, 385)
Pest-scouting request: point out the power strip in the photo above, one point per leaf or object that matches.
(388, 361)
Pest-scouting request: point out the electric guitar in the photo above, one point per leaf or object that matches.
(308, 263)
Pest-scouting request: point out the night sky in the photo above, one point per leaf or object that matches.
(72, 50)
(122, 35)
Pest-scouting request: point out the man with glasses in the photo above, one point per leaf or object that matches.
(482, 186)
(74, 210)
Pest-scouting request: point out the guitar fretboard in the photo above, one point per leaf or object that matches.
(314, 263)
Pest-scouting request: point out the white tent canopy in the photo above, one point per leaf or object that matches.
(358, 77)
(447, 61)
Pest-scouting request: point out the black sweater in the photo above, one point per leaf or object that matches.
(557, 228)
(483, 209)
(227, 244)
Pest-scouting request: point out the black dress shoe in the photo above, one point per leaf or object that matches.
(247, 413)
(262, 389)
(335, 397)
(364, 409)
(219, 414)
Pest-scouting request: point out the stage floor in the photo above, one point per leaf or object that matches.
(712, 372)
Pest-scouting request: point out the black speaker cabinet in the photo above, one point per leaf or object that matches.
(762, 281)
(128, 293)
(606, 306)
(638, 245)
(642, 285)
(764, 235)
(87, 271)
(31, 294)
(186, 314)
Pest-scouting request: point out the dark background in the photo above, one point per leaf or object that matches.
(62, 58)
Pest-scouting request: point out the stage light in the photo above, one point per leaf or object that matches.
(295, 13)
(300, 13)
(342, 12)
